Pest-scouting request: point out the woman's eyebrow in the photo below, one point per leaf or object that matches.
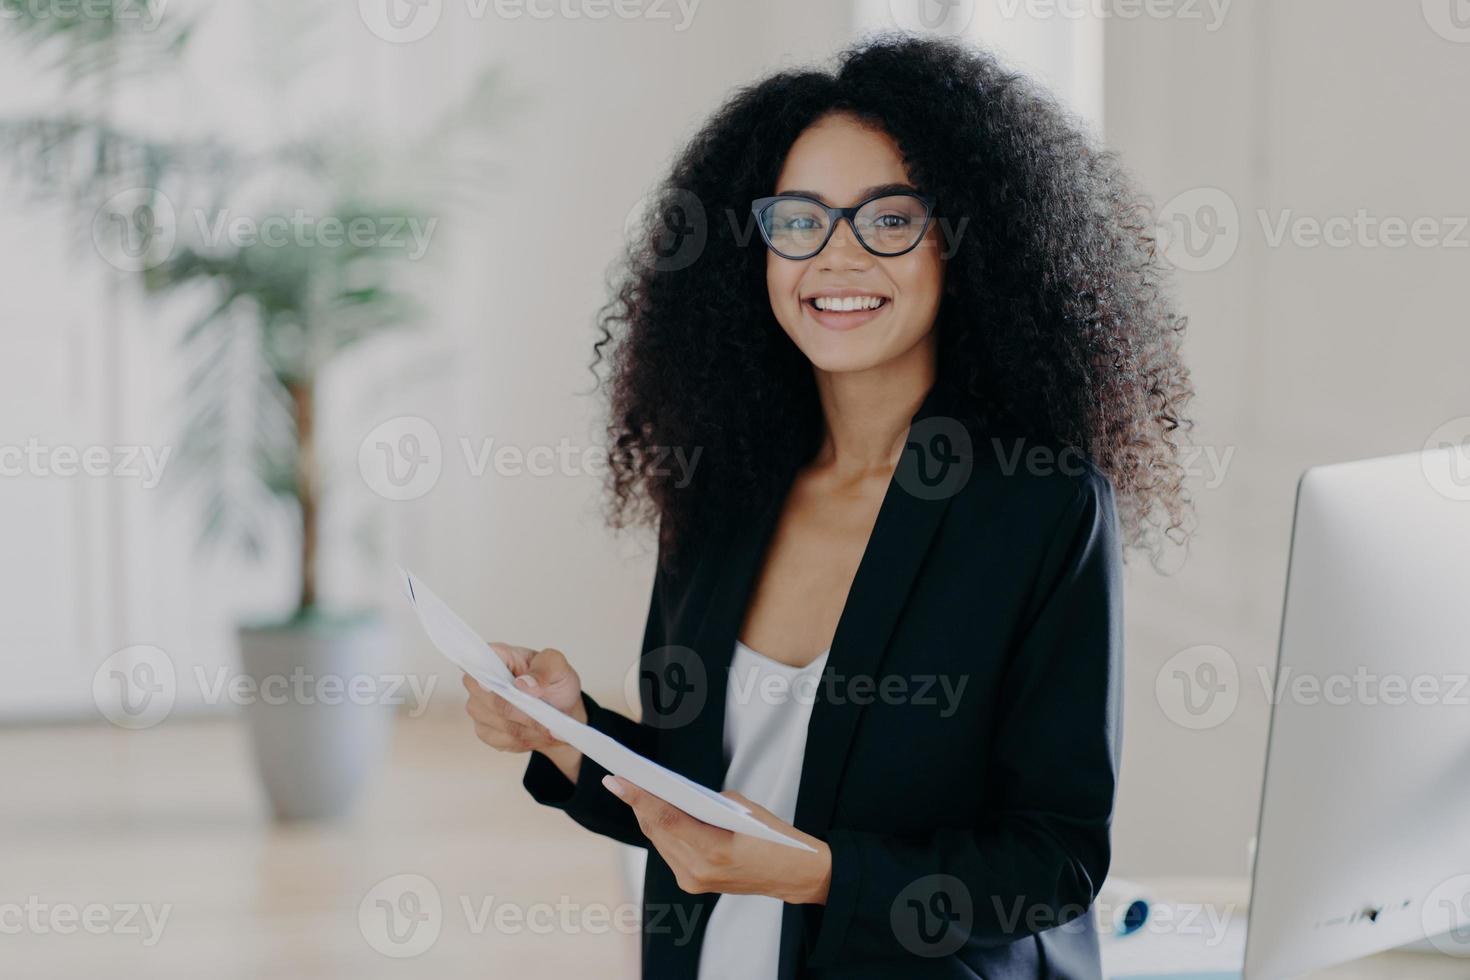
(863, 195)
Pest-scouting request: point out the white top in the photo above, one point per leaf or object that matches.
(767, 707)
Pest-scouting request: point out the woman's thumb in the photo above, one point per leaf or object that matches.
(548, 669)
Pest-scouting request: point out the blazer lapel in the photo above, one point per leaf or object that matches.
(722, 587)
(698, 749)
(900, 538)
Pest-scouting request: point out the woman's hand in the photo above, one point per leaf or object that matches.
(543, 674)
(710, 859)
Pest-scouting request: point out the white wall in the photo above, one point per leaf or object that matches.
(1301, 355)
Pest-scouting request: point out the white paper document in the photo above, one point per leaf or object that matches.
(466, 650)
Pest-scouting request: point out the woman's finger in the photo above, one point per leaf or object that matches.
(518, 659)
(493, 706)
(654, 815)
(498, 738)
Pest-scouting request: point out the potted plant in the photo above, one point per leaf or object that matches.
(281, 308)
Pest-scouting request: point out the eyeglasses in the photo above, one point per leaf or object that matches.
(797, 227)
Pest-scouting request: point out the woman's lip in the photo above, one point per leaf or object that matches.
(846, 319)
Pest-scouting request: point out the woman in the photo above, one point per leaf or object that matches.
(911, 322)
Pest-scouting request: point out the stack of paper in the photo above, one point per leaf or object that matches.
(466, 650)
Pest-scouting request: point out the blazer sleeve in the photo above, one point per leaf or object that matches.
(587, 801)
(1041, 853)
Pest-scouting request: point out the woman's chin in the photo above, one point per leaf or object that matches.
(843, 358)
(847, 351)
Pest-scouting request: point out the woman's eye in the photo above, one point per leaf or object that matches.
(891, 221)
(799, 224)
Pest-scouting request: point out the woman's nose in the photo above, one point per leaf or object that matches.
(843, 250)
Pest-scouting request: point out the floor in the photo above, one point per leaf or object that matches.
(151, 854)
(102, 828)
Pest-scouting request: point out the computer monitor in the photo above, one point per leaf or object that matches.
(1364, 832)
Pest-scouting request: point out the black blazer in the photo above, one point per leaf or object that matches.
(968, 825)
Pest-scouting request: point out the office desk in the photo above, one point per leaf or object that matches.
(1216, 909)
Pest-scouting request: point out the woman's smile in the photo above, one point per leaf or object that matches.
(845, 309)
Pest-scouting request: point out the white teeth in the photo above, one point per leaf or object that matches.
(847, 304)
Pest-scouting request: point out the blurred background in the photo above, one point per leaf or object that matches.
(295, 291)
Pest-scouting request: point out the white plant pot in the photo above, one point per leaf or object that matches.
(316, 742)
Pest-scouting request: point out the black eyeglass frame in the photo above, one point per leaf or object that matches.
(835, 215)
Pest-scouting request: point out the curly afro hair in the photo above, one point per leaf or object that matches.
(1055, 323)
